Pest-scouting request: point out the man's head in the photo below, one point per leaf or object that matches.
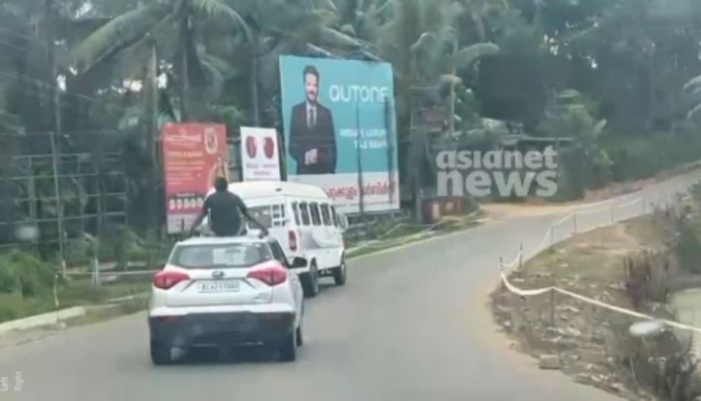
(221, 184)
(311, 83)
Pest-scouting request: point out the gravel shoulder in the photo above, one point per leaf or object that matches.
(590, 264)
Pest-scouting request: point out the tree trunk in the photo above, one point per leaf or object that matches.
(184, 70)
(453, 72)
(255, 106)
(50, 30)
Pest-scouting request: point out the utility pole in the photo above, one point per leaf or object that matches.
(54, 91)
(453, 73)
(151, 132)
(359, 160)
(59, 204)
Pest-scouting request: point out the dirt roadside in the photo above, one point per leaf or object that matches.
(586, 338)
(540, 207)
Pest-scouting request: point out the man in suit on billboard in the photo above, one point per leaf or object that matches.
(312, 140)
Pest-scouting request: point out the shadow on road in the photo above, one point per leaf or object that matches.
(236, 355)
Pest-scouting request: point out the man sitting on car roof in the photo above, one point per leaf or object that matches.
(225, 210)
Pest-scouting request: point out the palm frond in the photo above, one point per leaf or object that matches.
(333, 38)
(75, 31)
(225, 69)
(598, 129)
(696, 110)
(116, 34)
(469, 55)
(214, 9)
(696, 81)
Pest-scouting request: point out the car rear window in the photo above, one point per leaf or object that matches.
(263, 214)
(219, 256)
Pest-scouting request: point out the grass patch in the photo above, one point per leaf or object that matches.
(410, 234)
(109, 312)
(75, 293)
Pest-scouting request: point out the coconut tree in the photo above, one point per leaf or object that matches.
(123, 44)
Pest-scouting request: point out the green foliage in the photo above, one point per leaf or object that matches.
(644, 156)
(646, 278)
(682, 226)
(25, 273)
(571, 115)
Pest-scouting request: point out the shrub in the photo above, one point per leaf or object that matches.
(29, 274)
(646, 278)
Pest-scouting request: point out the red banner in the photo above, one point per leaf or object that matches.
(193, 156)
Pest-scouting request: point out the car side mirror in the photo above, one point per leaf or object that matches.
(298, 262)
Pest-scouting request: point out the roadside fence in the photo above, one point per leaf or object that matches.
(579, 221)
(96, 277)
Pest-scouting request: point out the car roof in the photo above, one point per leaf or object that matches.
(265, 189)
(224, 240)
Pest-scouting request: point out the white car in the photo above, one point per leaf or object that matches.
(304, 220)
(226, 291)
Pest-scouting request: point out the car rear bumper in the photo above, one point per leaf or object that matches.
(221, 328)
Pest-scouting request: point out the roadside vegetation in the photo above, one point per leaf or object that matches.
(617, 80)
(638, 265)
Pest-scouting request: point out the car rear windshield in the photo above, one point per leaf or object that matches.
(219, 256)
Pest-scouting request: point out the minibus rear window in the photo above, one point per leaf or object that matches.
(304, 211)
(326, 215)
(316, 216)
(261, 213)
(295, 210)
(268, 215)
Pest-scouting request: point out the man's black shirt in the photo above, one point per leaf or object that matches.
(225, 211)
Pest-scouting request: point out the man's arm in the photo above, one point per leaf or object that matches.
(201, 216)
(244, 211)
(296, 140)
(328, 155)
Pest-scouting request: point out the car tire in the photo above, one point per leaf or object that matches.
(288, 348)
(340, 273)
(299, 339)
(310, 281)
(160, 353)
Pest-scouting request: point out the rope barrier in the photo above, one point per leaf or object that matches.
(506, 267)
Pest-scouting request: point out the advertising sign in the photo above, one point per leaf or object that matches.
(193, 156)
(259, 154)
(340, 130)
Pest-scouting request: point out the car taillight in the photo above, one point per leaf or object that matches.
(292, 237)
(167, 279)
(271, 276)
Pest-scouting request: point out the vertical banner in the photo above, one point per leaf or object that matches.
(193, 156)
(340, 130)
(260, 159)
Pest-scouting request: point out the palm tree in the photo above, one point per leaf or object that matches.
(123, 42)
(424, 43)
(205, 40)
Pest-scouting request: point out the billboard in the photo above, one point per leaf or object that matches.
(340, 130)
(260, 159)
(193, 156)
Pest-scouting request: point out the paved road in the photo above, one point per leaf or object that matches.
(409, 325)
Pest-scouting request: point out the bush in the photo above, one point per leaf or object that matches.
(683, 236)
(664, 365)
(646, 278)
(25, 272)
(642, 157)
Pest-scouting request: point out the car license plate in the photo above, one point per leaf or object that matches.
(219, 286)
